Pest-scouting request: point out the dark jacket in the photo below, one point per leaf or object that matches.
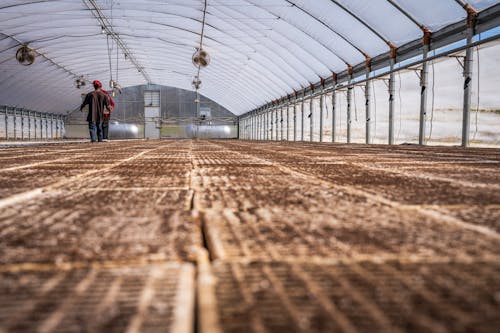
(97, 101)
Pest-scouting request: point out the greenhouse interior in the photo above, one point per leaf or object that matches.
(209, 166)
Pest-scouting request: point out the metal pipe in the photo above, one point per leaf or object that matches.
(282, 124)
(6, 123)
(423, 96)
(302, 122)
(349, 103)
(288, 122)
(22, 124)
(29, 125)
(368, 134)
(392, 91)
(334, 115)
(311, 119)
(15, 124)
(321, 105)
(295, 120)
(468, 68)
(51, 126)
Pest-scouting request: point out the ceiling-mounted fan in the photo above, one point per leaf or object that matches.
(25, 55)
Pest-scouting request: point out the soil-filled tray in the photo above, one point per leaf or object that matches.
(150, 298)
(357, 297)
(67, 226)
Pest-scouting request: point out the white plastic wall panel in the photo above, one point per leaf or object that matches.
(260, 49)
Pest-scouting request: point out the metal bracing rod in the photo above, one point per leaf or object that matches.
(295, 120)
(423, 96)
(311, 119)
(321, 106)
(349, 103)
(368, 138)
(334, 115)
(468, 68)
(392, 91)
(107, 26)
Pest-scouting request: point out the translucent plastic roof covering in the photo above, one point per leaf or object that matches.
(260, 49)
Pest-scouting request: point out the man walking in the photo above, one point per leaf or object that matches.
(97, 101)
(107, 115)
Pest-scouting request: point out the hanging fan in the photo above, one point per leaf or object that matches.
(196, 83)
(25, 55)
(201, 58)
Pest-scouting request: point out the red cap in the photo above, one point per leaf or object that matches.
(97, 84)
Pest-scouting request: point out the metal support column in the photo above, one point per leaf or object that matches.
(311, 118)
(288, 121)
(46, 127)
(295, 119)
(392, 92)
(282, 123)
(349, 103)
(302, 122)
(6, 124)
(424, 73)
(334, 112)
(15, 124)
(368, 128)
(321, 105)
(468, 72)
(269, 125)
(51, 126)
(22, 124)
(29, 125)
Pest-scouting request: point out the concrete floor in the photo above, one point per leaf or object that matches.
(238, 236)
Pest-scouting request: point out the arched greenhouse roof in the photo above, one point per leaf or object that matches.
(260, 50)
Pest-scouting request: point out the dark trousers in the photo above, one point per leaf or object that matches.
(95, 128)
(105, 128)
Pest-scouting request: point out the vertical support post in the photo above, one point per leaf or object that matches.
(302, 114)
(41, 125)
(29, 125)
(22, 124)
(311, 118)
(278, 123)
(321, 105)
(265, 124)
(423, 88)
(288, 121)
(468, 71)
(51, 126)
(295, 118)
(334, 110)
(34, 121)
(15, 123)
(349, 103)
(368, 128)
(282, 123)
(6, 123)
(392, 91)
(46, 127)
